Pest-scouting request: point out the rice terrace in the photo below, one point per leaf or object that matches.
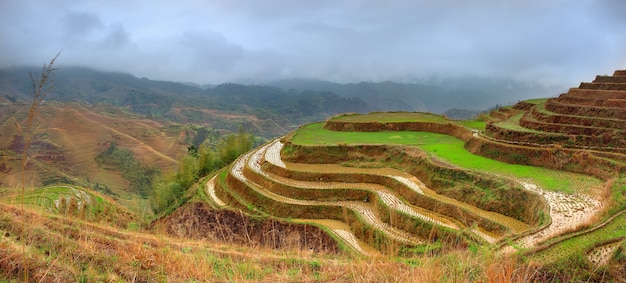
(535, 191)
(542, 179)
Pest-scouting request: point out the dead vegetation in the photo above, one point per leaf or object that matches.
(197, 220)
(67, 249)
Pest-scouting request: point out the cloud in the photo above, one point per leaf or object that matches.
(78, 25)
(563, 41)
(210, 49)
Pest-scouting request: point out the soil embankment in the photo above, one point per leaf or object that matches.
(198, 220)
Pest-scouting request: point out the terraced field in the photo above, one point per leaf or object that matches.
(73, 201)
(395, 182)
(589, 116)
(313, 185)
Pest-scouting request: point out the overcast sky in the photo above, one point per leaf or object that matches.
(213, 41)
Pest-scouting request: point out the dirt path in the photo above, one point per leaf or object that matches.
(341, 230)
(210, 189)
(138, 142)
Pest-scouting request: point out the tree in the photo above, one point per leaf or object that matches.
(198, 162)
(206, 161)
(188, 171)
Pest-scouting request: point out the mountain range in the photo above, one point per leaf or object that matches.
(296, 101)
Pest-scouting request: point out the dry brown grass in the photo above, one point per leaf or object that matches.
(68, 249)
(81, 133)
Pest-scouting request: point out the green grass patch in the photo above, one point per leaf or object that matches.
(536, 101)
(451, 150)
(472, 124)
(570, 247)
(513, 124)
(69, 200)
(315, 134)
(618, 194)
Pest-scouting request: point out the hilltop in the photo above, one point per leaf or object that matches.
(529, 192)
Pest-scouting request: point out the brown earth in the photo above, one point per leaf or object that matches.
(70, 136)
(441, 128)
(198, 220)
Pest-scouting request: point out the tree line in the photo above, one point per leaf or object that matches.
(202, 159)
(208, 152)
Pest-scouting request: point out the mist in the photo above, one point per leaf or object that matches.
(560, 42)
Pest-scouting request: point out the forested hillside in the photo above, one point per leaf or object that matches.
(263, 110)
(267, 110)
(432, 95)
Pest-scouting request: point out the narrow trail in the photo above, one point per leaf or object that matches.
(341, 230)
(138, 142)
(210, 189)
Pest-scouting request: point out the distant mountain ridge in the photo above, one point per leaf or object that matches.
(264, 110)
(436, 96)
(297, 100)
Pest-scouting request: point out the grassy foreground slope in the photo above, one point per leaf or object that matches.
(42, 244)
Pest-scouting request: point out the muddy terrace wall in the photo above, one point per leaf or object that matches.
(602, 86)
(309, 194)
(571, 160)
(454, 130)
(593, 136)
(580, 110)
(578, 120)
(498, 195)
(547, 138)
(409, 224)
(402, 221)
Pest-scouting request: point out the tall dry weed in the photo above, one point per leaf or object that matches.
(41, 87)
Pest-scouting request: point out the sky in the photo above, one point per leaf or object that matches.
(215, 41)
